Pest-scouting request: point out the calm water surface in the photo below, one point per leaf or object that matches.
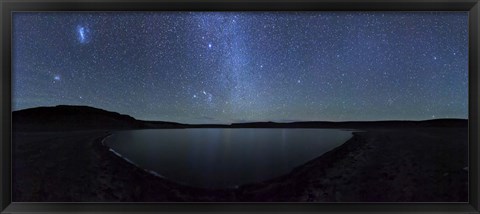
(217, 158)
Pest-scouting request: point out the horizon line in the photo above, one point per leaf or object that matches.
(262, 121)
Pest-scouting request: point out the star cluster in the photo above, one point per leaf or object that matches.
(224, 67)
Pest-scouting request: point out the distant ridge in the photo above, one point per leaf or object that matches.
(67, 117)
(359, 124)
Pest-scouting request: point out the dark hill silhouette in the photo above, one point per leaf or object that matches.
(65, 117)
(358, 124)
(70, 118)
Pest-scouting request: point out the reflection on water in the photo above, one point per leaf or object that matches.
(217, 158)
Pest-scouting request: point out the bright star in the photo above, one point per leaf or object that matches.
(56, 77)
(209, 45)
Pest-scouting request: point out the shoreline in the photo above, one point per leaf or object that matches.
(151, 172)
(151, 183)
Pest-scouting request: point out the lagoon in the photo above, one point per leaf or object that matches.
(223, 157)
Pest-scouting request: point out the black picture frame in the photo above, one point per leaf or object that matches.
(8, 6)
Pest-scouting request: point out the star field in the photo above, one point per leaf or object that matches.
(225, 67)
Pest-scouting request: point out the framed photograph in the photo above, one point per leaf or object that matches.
(239, 106)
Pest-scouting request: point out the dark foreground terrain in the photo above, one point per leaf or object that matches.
(384, 162)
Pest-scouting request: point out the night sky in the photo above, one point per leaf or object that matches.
(224, 67)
